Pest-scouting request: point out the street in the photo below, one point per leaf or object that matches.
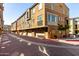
(14, 45)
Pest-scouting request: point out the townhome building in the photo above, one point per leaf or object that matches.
(74, 26)
(42, 20)
(1, 17)
(13, 27)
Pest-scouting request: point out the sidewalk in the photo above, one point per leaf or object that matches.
(49, 41)
(69, 42)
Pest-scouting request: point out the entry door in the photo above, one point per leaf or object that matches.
(53, 34)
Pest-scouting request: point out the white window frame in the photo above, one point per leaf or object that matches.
(54, 22)
(51, 14)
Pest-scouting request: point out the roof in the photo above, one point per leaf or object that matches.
(33, 5)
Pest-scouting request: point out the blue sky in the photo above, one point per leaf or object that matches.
(13, 10)
(74, 9)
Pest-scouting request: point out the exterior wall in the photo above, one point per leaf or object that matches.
(23, 21)
(20, 23)
(72, 26)
(13, 26)
(7, 28)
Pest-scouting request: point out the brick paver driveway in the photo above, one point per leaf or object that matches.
(14, 45)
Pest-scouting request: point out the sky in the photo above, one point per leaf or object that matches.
(14, 10)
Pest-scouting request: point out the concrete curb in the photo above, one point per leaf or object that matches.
(68, 42)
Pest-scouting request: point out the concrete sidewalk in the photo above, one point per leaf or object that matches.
(72, 42)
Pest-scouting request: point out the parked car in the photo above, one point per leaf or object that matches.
(73, 36)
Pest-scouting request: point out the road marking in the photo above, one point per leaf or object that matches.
(3, 47)
(43, 50)
(22, 54)
(4, 54)
(6, 42)
(21, 40)
(15, 53)
(0, 39)
(43, 44)
(28, 43)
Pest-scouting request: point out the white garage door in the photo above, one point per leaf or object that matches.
(24, 33)
(29, 34)
(20, 33)
(40, 35)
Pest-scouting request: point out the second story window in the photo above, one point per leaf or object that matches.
(51, 18)
(39, 21)
(40, 6)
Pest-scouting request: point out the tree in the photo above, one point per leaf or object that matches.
(61, 28)
(64, 28)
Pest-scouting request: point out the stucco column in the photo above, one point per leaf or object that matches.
(46, 35)
(33, 34)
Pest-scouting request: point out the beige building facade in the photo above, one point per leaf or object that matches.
(41, 20)
(74, 25)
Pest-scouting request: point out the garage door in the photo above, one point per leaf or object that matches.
(24, 33)
(29, 34)
(20, 33)
(40, 35)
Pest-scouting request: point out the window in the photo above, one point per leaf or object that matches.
(48, 18)
(39, 21)
(40, 6)
(75, 26)
(51, 18)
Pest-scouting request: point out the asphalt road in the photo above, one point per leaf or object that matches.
(14, 45)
